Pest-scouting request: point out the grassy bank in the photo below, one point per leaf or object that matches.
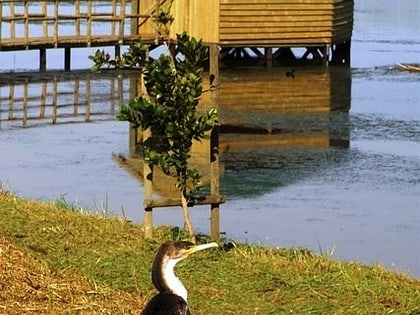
(59, 261)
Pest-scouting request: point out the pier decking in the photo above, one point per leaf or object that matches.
(268, 28)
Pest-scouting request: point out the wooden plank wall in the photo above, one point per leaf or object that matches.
(198, 18)
(289, 23)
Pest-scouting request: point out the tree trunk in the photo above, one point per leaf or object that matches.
(187, 219)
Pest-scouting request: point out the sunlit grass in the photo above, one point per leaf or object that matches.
(112, 256)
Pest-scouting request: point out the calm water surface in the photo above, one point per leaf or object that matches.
(360, 202)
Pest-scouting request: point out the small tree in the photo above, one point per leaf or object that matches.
(174, 87)
(134, 57)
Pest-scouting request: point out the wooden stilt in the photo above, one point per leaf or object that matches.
(67, 59)
(268, 57)
(117, 51)
(42, 59)
(341, 53)
(324, 53)
(347, 52)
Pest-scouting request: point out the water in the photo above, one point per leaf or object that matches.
(359, 202)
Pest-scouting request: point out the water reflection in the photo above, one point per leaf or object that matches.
(275, 129)
(279, 129)
(36, 99)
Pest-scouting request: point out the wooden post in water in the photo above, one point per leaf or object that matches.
(42, 59)
(268, 56)
(67, 59)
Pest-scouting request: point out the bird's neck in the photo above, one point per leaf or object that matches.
(165, 279)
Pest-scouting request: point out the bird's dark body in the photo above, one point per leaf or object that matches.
(166, 304)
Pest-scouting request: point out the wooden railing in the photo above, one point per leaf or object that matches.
(80, 23)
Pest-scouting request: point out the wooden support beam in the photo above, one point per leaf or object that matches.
(268, 52)
(117, 51)
(341, 53)
(42, 59)
(67, 59)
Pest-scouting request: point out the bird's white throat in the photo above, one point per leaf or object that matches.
(172, 281)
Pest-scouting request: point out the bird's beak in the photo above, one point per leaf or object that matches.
(200, 247)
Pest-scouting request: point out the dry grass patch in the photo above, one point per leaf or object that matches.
(28, 286)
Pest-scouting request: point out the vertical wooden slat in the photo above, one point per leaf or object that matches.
(89, 22)
(77, 13)
(134, 23)
(12, 22)
(45, 21)
(26, 22)
(56, 3)
(113, 17)
(1, 22)
(122, 21)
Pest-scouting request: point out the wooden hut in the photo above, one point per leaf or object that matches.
(269, 29)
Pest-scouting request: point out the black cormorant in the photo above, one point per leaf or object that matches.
(172, 296)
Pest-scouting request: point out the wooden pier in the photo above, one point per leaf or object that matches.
(264, 30)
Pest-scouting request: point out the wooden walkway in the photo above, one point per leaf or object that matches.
(47, 24)
(53, 23)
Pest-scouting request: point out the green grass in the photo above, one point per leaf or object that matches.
(249, 279)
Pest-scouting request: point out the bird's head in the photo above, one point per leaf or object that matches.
(168, 255)
(179, 250)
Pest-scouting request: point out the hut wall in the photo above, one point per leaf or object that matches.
(146, 27)
(285, 22)
(198, 18)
